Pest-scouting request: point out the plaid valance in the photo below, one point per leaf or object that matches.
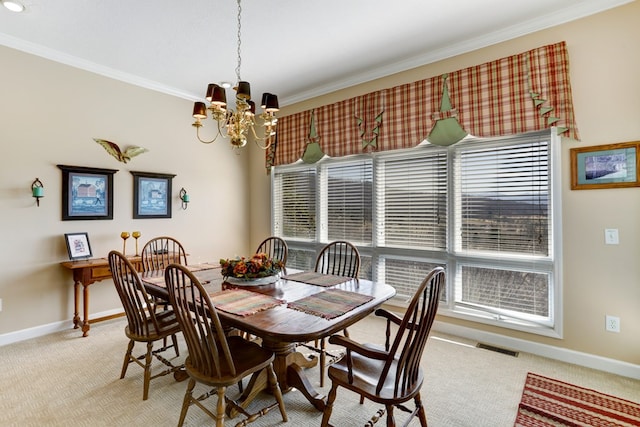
(521, 93)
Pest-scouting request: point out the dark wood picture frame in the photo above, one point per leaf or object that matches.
(151, 195)
(87, 193)
(78, 246)
(605, 166)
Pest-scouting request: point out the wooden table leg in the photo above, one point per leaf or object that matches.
(76, 299)
(296, 378)
(85, 302)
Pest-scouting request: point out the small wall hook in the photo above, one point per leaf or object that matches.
(37, 190)
(184, 197)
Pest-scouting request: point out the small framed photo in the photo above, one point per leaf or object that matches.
(605, 166)
(151, 195)
(78, 246)
(87, 193)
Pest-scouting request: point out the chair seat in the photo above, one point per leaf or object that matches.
(366, 374)
(248, 357)
(167, 325)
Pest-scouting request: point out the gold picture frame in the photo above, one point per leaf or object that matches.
(605, 166)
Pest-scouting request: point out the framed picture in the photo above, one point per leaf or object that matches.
(605, 166)
(78, 246)
(151, 195)
(87, 193)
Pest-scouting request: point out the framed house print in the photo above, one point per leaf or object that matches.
(87, 193)
(78, 246)
(605, 166)
(151, 195)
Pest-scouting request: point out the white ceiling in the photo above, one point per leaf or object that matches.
(296, 49)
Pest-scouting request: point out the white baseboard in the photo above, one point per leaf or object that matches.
(557, 353)
(38, 331)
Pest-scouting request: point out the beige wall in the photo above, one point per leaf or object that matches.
(49, 114)
(599, 279)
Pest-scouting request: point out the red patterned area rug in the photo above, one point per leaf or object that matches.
(547, 402)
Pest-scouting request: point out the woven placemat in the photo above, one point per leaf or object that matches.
(315, 278)
(242, 302)
(202, 266)
(330, 303)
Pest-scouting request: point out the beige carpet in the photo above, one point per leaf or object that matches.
(65, 380)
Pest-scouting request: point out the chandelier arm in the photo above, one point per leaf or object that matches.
(219, 133)
(264, 147)
(266, 138)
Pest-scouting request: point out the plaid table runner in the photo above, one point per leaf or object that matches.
(330, 304)
(318, 279)
(241, 302)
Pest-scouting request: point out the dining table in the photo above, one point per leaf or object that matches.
(298, 307)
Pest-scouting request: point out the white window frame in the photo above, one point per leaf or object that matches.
(452, 261)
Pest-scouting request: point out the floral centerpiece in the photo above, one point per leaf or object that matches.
(256, 267)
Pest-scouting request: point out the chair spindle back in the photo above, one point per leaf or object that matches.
(161, 251)
(339, 258)
(413, 332)
(207, 344)
(138, 305)
(275, 247)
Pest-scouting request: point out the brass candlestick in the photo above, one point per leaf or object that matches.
(136, 235)
(125, 235)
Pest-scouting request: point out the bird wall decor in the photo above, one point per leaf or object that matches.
(122, 156)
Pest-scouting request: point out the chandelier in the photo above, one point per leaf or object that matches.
(237, 125)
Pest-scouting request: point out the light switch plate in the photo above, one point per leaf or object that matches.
(611, 236)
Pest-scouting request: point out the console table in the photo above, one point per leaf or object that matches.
(86, 272)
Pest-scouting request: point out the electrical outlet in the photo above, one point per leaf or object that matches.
(612, 323)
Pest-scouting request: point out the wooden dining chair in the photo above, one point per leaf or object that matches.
(161, 251)
(339, 258)
(144, 323)
(215, 359)
(390, 375)
(275, 247)
(158, 253)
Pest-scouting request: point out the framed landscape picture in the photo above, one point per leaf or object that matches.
(87, 193)
(605, 166)
(78, 246)
(151, 195)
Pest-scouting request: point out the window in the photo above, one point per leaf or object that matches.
(483, 209)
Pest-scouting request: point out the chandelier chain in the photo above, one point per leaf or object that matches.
(239, 42)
